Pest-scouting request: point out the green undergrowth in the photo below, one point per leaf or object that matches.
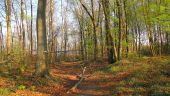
(5, 92)
(149, 76)
(117, 67)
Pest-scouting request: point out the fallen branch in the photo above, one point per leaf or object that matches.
(82, 77)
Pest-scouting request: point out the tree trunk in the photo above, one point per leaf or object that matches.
(120, 29)
(8, 21)
(53, 32)
(23, 25)
(42, 66)
(109, 40)
(1, 39)
(31, 41)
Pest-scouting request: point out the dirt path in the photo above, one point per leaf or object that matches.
(98, 84)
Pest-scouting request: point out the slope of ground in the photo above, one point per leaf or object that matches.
(137, 76)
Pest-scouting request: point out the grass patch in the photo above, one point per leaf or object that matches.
(4, 92)
(120, 66)
(150, 78)
(21, 87)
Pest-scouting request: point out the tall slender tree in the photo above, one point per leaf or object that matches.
(52, 31)
(8, 4)
(1, 38)
(31, 39)
(23, 25)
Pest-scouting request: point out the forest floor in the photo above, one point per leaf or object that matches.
(137, 76)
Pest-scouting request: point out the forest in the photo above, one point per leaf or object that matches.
(84, 47)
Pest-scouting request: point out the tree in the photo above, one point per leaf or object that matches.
(8, 4)
(1, 38)
(31, 41)
(23, 25)
(109, 40)
(23, 32)
(92, 16)
(42, 66)
(52, 31)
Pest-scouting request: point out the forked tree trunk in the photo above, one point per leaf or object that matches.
(95, 27)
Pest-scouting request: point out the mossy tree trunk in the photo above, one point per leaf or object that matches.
(109, 40)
